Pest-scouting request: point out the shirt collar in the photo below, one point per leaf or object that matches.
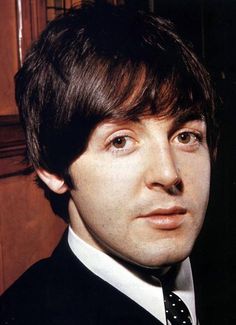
(147, 294)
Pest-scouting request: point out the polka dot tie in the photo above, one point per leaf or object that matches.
(176, 311)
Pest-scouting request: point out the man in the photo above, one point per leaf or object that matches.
(119, 121)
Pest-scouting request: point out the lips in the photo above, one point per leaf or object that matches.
(166, 219)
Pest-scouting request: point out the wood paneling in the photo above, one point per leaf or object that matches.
(28, 228)
(33, 21)
(12, 147)
(15, 42)
(8, 56)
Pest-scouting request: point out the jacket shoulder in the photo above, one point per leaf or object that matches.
(25, 296)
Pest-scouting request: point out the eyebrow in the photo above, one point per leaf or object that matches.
(188, 116)
(184, 118)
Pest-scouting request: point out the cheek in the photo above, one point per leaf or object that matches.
(201, 177)
(195, 174)
(195, 169)
(105, 188)
(114, 174)
(199, 192)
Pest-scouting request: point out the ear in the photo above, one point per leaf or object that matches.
(54, 182)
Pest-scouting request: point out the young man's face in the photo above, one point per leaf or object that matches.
(142, 189)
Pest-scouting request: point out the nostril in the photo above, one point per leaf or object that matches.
(176, 188)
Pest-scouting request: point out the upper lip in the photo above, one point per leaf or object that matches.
(166, 211)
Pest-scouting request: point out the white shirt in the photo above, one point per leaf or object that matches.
(146, 294)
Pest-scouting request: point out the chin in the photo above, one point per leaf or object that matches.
(162, 257)
(161, 262)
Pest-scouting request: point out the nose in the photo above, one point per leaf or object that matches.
(162, 171)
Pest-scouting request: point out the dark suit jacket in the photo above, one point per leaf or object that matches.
(61, 290)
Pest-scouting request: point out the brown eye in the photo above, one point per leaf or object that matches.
(186, 137)
(119, 142)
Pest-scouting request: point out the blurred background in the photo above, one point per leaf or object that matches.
(28, 228)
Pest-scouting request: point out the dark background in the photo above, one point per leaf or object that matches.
(210, 26)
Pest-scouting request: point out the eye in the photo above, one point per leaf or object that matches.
(119, 142)
(122, 144)
(188, 140)
(187, 137)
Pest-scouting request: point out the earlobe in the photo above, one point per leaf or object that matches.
(54, 182)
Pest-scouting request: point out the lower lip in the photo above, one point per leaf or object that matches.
(166, 222)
